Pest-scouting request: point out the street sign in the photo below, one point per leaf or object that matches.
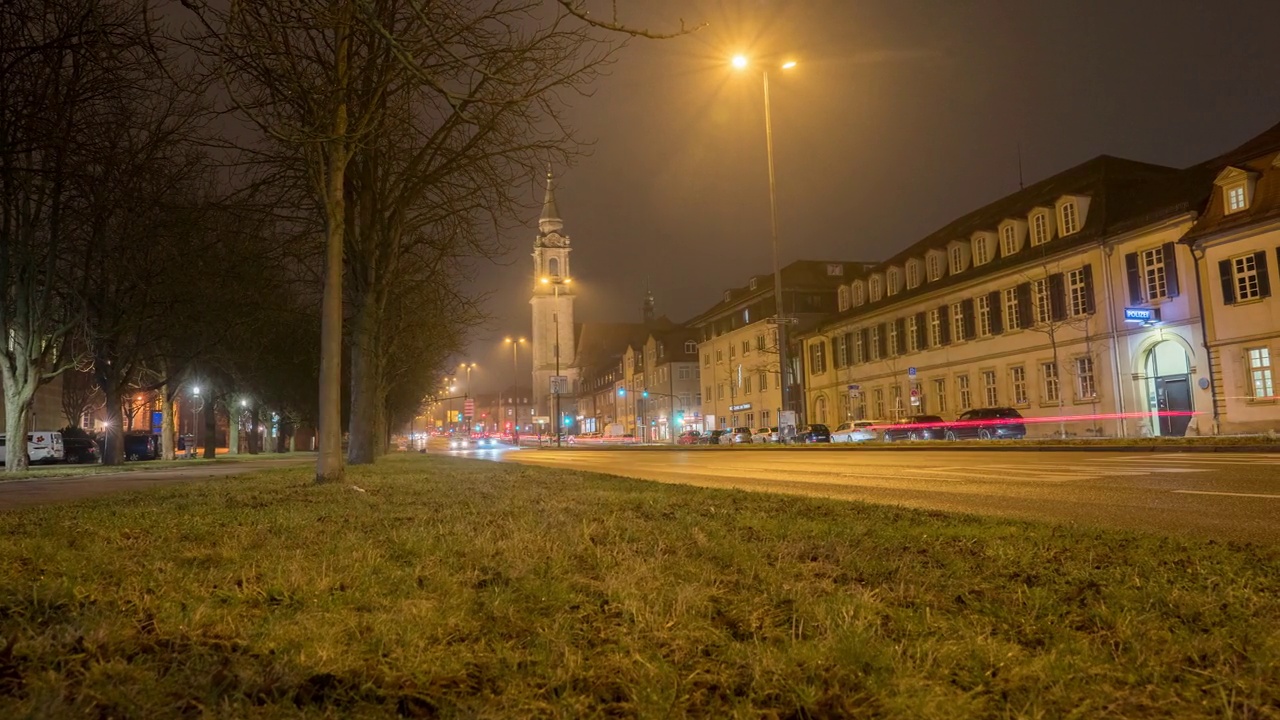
(469, 407)
(911, 372)
(559, 384)
(541, 419)
(915, 400)
(915, 392)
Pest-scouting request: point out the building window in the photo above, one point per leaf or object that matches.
(1049, 382)
(895, 398)
(966, 397)
(875, 342)
(842, 298)
(719, 355)
(1236, 199)
(818, 357)
(940, 395)
(879, 396)
(1039, 229)
(913, 274)
(1070, 218)
(859, 293)
(1043, 306)
(720, 391)
(981, 251)
(1018, 379)
(1153, 279)
(876, 288)
(1009, 236)
(733, 351)
(859, 352)
(935, 328)
(913, 336)
(933, 267)
(746, 348)
(1260, 372)
(690, 347)
(895, 281)
(764, 418)
(1244, 271)
(835, 269)
(957, 323)
(746, 316)
(764, 381)
(983, 305)
(957, 259)
(1086, 388)
(684, 372)
(820, 409)
(1011, 319)
(746, 384)
(893, 338)
(840, 351)
(990, 392)
(1077, 293)
(1008, 244)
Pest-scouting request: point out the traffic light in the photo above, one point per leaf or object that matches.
(679, 418)
(622, 392)
(645, 394)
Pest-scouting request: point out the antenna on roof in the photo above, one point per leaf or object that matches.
(1020, 184)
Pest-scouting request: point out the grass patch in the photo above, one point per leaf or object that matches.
(65, 470)
(458, 588)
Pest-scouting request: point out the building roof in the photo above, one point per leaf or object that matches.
(799, 275)
(1258, 155)
(550, 219)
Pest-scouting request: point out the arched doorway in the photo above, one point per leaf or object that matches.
(1168, 374)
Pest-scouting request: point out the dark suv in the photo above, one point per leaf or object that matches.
(987, 424)
(915, 427)
(815, 433)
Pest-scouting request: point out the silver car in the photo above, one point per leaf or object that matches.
(855, 431)
(736, 436)
(765, 435)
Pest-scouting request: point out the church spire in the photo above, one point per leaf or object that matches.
(550, 220)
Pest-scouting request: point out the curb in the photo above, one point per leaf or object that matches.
(945, 447)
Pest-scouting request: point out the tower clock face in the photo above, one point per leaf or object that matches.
(555, 240)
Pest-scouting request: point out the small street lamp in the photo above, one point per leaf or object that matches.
(515, 344)
(555, 283)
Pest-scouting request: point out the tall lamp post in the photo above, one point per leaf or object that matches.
(515, 379)
(555, 283)
(741, 62)
(466, 391)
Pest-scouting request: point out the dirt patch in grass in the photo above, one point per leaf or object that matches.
(456, 588)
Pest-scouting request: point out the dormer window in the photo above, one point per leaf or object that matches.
(859, 293)
(933, 264)
(842, 298)
(877, 288)
(913, 274)
(690, 346)
(728, 295)
(957, 260)
(753, 283)
(981, 250)
(1236, 198)
(1070, 217)
(894, 281)
(1008, 244)
(958, 257)
(835, 269)
(1040, 228)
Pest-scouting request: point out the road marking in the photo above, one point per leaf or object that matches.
(1208, 492)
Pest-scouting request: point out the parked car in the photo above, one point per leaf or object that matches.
(80, 450)
(765, 435)
(815, 433)
(856, 431)
(736, 436)
(914, 427)
(713, 438)
(689, 437)
(986, 424)
(141, 446)
(43, 446)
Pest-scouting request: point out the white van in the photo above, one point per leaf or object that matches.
(43, 446)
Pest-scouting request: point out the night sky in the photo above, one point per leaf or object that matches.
(899, 117)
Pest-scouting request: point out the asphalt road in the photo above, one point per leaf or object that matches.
(15, 494)
(1220, 495)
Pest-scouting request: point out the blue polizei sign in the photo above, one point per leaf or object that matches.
(1141, 315)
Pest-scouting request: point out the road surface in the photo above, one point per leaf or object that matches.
(1220, 495)
(15, 494)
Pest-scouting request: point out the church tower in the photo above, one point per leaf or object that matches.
(553, 331)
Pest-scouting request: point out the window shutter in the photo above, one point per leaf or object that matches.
(848, 349)
(922, 327)
(901, 324)
(1264, 275)
(944, 315)
(866, 343)
(966, 312)
(1025, 318)
(1228, 283)
(1170, 270)
(1088, 290)
(1057, 298)
(995, 302)
(1137, 294)
(884, 340)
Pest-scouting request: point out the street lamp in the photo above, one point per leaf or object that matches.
(741, 62)
(555, 284)
(195, 427)
(515, 379)
(466, 390)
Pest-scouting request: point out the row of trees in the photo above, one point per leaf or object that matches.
(214, 193)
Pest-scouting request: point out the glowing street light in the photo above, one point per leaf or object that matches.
(515, 344)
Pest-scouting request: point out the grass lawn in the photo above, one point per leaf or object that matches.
(458, 588)
(64, 470)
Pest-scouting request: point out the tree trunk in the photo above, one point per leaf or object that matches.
(113, 442)
(211, 429)
(365, 398)
(167, 434)
(255, 431)
(17, 406)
